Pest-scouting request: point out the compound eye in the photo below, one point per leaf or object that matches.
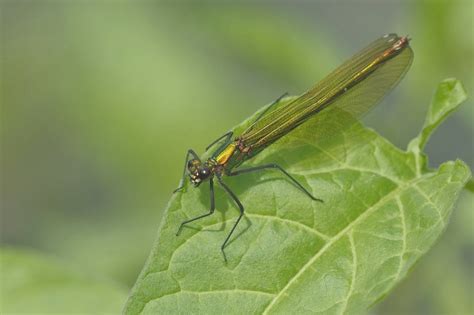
(193, 165)
(203, 172)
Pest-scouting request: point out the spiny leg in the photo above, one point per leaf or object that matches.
(241, 209)
(211, 211)
(226, 136)
(274, 166)
(181, 184)
(270, 106)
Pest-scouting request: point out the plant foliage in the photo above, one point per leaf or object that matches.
(383, 209)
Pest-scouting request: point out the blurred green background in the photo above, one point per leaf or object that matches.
(100, 101)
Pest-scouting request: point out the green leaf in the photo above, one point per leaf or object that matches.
(381, 213)
(449, 95)
(35, 284)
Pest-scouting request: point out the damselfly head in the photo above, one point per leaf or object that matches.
(198, 172)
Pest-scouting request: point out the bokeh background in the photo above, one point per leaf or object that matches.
(100, 100)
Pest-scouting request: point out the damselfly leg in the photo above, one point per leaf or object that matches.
(241, 209)
(270, 106)
(226, 136)
(211, 210)
(278, 167)
(181, 183)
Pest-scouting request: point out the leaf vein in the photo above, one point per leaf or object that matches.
(404, 232)
(350, 168)
(301, 225)
(428, 199)
(354, 272)
(374, 207)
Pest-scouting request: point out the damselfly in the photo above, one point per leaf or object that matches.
(354, 87)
